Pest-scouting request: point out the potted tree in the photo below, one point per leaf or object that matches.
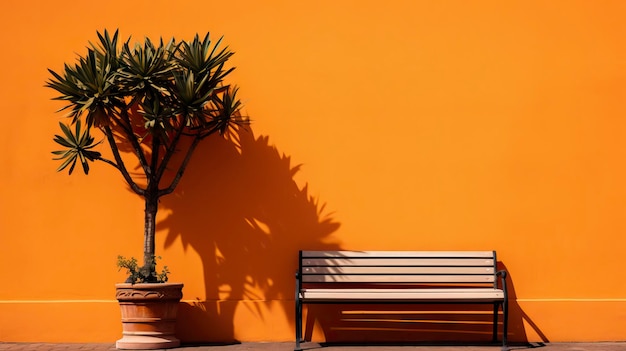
(155, 101)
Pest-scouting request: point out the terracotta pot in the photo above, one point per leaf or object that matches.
(148, 315)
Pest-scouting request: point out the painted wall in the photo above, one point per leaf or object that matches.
(404, 125)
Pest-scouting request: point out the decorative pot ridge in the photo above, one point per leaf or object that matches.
(148, 291)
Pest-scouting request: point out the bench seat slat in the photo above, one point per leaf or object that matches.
(328, 278)
(411, 254)
(416, 262)
(397, 270)
(433, 295)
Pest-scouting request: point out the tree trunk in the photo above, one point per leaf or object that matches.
(152, 206)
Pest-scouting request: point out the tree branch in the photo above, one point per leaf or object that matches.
(120, 163)
(171, 149)
(134, 142)
(153, 182)
(109, 162)
(181, 169)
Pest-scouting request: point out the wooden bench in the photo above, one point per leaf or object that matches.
(404, 277)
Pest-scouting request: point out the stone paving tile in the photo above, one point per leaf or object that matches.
(56, 347)
(288, 346)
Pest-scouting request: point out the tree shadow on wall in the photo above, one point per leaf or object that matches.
(240, 209)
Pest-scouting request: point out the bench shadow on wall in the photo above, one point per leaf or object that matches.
(239, 207)
(421, 324)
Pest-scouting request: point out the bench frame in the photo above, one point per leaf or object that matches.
(401, 277)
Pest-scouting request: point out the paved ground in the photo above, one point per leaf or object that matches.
(609, 346)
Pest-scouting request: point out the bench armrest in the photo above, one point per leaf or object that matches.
(298, 285)
(502, 274)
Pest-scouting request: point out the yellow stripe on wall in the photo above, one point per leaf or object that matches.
(54, 301)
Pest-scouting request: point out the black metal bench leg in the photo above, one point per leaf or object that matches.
(496, 307)
(298, 325)
(505, 324)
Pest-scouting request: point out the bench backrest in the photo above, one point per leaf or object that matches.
(395, 268)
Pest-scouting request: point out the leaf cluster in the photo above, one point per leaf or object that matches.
(78, 145)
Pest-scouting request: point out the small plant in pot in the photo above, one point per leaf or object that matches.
(156, 101)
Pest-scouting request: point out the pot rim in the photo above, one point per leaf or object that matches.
(147, 285)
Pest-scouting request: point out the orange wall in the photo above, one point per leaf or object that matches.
(417, 125)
